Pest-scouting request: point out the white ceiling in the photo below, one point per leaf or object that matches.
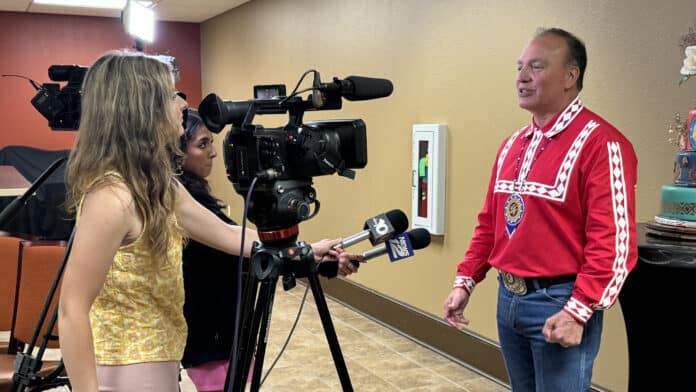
(171, 10)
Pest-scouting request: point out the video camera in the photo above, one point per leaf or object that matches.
(280, 162)
(61, 106)
(274, 167)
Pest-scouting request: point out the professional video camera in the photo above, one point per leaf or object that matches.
(282, 161)
(274, 167)
(61, 106)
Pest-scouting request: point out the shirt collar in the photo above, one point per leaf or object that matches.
(560, 122)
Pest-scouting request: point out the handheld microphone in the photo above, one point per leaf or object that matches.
(378, 228)
(401, 246)
(352, 88)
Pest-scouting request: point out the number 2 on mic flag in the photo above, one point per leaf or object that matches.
(399, 247)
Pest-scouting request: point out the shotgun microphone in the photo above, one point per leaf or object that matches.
(352, 88)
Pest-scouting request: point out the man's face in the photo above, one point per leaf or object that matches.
(543, 76)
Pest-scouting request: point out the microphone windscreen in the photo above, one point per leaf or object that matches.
(398, 220)
(420, 238)
(368, 88)
(328, 269)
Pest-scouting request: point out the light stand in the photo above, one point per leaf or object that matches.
(26, 365)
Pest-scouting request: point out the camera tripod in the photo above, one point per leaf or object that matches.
(269, 261)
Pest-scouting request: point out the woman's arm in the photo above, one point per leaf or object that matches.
(107, 218)
(203, 226)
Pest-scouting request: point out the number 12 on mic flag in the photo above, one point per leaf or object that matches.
(399, 247)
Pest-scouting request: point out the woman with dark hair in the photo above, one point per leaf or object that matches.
(209, 274)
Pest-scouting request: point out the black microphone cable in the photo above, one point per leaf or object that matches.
(240, 271)
(36, 85)
(294, 91)
(292, 331)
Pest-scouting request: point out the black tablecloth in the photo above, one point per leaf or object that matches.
(44, 215)
(657, 301)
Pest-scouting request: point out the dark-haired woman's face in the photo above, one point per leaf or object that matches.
(200, 153)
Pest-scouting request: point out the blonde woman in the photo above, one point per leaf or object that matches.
(121, 320)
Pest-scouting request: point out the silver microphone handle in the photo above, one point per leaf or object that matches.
(374, 252)
(354, 239)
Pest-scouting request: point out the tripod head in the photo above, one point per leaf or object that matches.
(278, 209)
(286, 258)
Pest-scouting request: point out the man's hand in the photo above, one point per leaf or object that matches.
(454, 308)
(563, 329)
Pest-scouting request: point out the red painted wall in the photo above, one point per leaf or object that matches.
(30, 43)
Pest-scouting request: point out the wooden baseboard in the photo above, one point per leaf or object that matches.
(467, 348)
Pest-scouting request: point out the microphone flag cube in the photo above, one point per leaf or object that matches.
(399, 247)
(380, 228)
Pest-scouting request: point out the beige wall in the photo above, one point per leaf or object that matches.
(452, 62)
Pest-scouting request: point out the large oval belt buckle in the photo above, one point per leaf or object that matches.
(514, 283)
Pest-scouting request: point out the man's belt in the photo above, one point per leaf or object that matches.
(521, 286)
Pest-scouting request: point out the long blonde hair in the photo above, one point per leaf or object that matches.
(128, 125)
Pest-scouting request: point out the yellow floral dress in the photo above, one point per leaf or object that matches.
(138, 314)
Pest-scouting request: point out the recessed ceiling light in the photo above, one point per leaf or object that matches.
(109, 4)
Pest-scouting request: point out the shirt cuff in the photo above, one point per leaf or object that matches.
(580, 311)
(464, 282)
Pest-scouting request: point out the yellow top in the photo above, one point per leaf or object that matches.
(138, 314)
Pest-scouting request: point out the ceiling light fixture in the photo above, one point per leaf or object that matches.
(107, 4)
(139, 21)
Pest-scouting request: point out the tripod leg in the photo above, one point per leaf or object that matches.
(266, 298)
(254, 336)
(242, 350)
(330, 332)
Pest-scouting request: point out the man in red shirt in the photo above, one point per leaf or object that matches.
(558, 224)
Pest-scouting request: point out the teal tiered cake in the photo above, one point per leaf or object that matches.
(678, 203)
(677, 217)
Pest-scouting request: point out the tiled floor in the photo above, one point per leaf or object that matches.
(377, 358)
